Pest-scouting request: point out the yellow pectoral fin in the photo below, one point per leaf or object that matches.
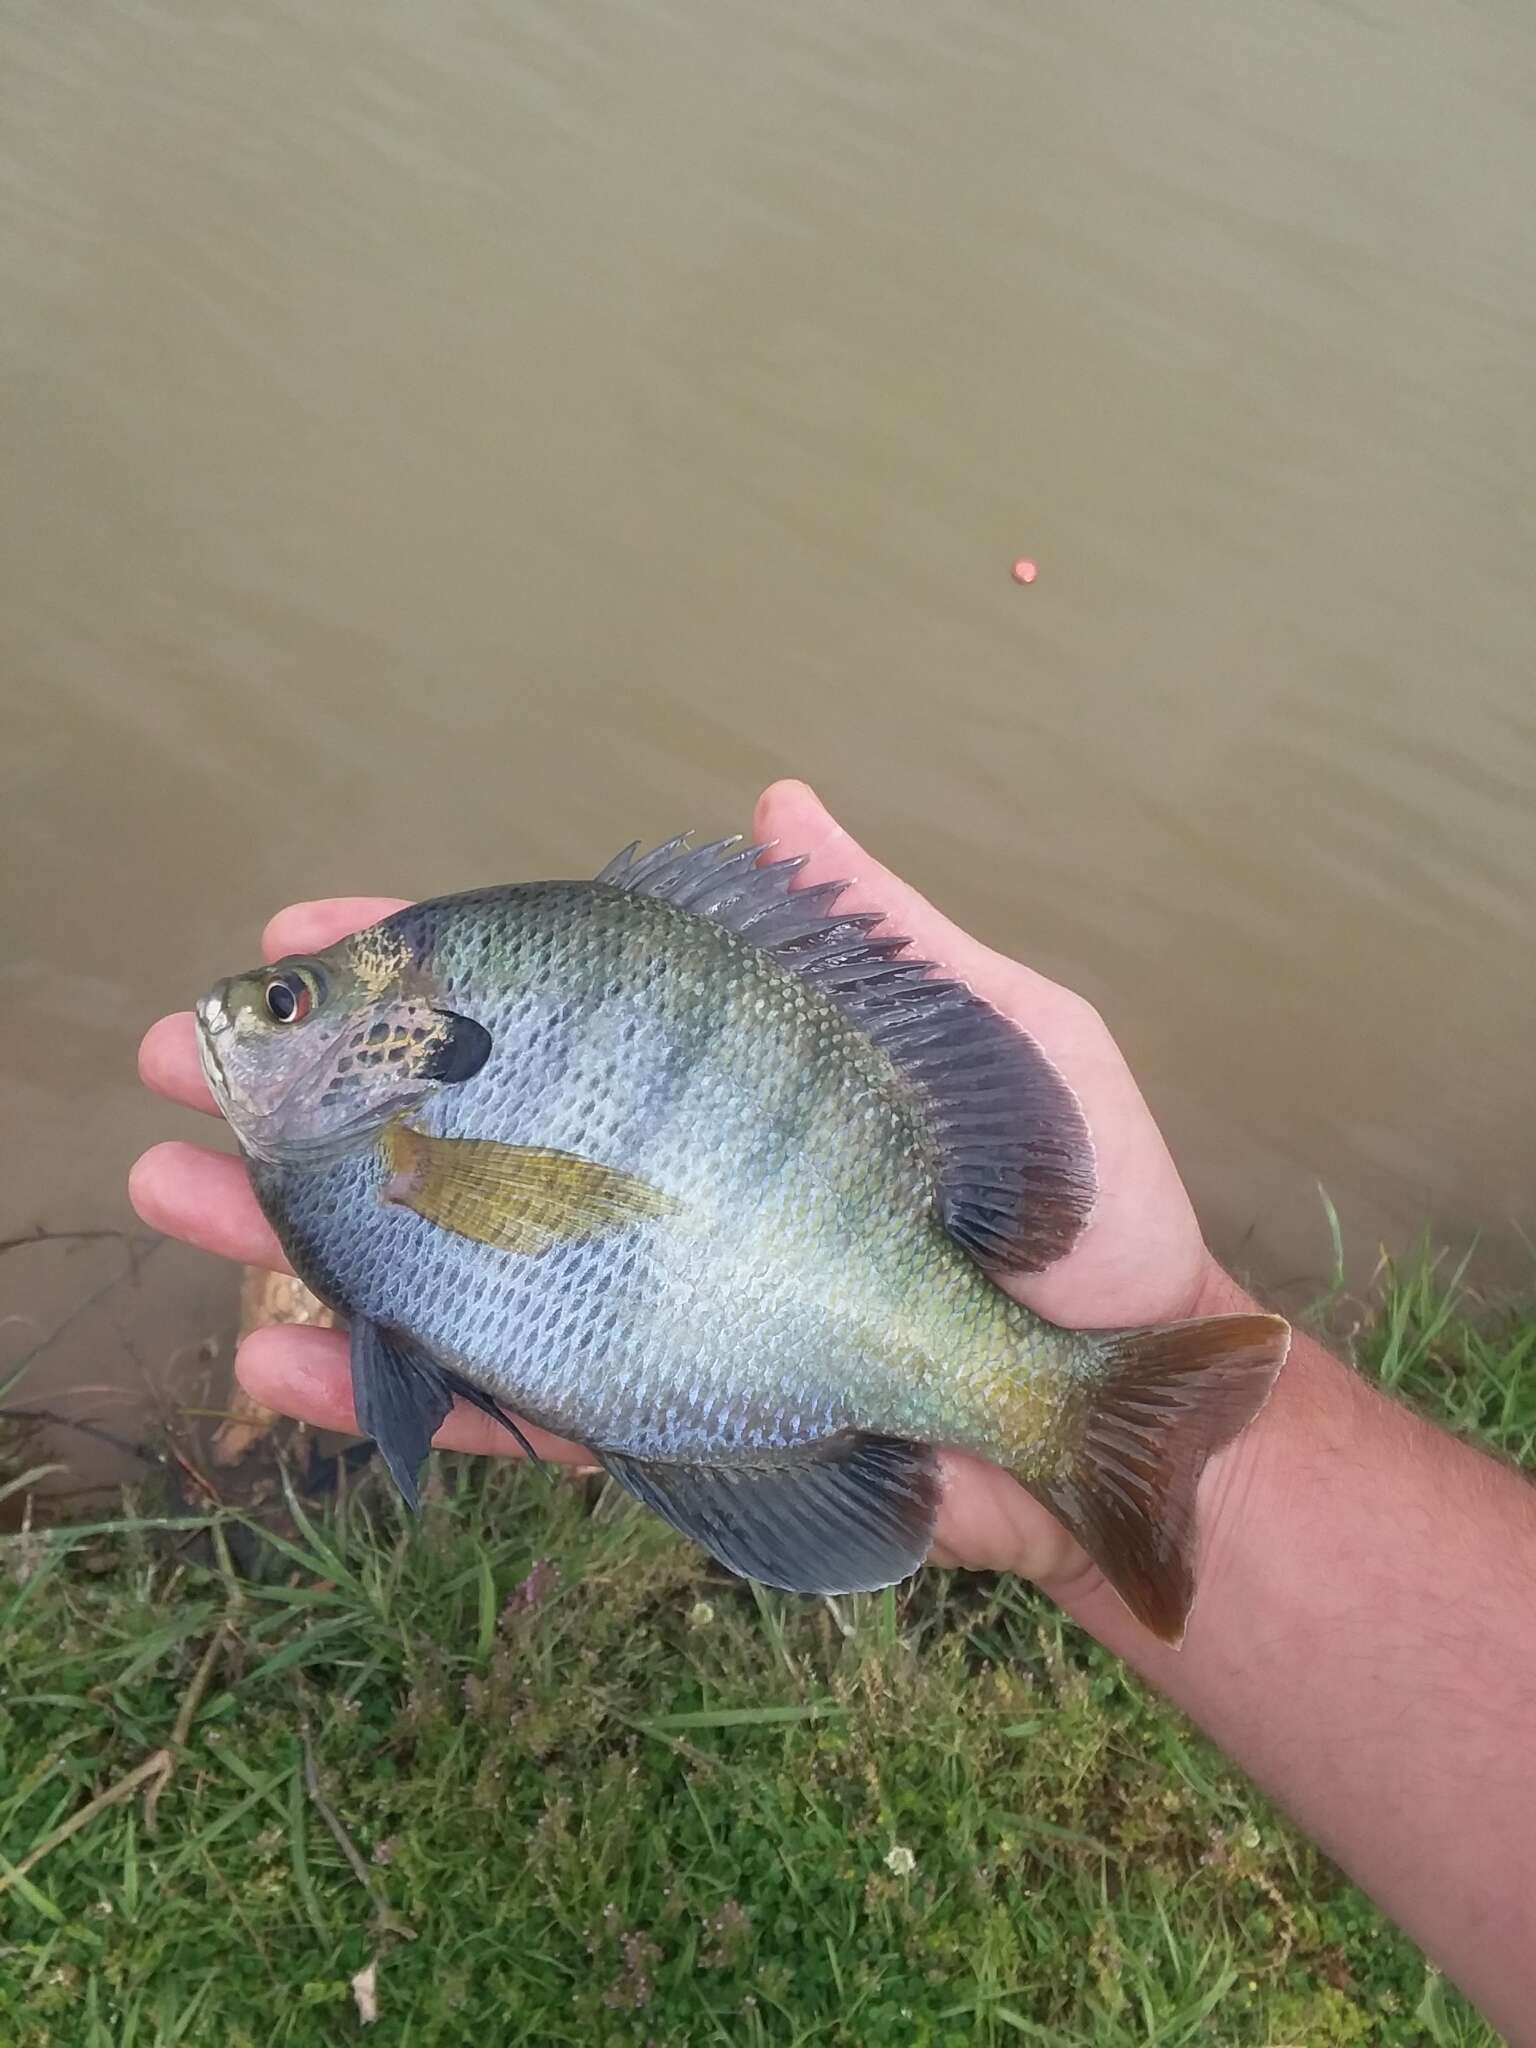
(519, 1198)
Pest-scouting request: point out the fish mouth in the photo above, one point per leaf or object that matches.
(213, 1023)
(265, 1128)
(217, 1036)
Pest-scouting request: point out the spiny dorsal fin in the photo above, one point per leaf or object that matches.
(1016, 1177)
(848, 1517)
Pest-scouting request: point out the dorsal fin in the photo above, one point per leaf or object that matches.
(1016, 1176)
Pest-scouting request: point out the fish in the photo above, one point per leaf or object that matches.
(688, 1165)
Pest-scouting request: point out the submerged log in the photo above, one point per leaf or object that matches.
(280, 1298)
(265, 1298)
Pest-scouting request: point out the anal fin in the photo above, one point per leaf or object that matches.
(847, 1517)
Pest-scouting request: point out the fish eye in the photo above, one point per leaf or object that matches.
(288, 999)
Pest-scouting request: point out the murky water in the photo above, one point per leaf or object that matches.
(442, 443)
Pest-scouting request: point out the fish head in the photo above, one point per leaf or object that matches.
(311, 1057)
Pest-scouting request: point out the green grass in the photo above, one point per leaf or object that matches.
(626, 1802)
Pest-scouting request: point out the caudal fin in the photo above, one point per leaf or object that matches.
(1164, 1400)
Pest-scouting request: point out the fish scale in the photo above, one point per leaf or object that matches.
(685, 1166)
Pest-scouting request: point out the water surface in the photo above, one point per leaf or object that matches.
(445, 443)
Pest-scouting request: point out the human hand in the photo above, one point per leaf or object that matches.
(1140, 1260)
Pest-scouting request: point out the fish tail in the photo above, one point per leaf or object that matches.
(1160, 1401)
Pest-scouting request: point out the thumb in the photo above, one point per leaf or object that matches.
(1142, 1258)
(792, 814)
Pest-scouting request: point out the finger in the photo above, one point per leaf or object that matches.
(987, 1522)
(311, 927)
(307, 1373)
(792, 814)
(169, 1064)
(205, 1199)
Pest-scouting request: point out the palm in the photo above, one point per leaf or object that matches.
(1141, 1258)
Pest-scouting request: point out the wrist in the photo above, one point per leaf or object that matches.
(1361, 1645)
(1218, 1294)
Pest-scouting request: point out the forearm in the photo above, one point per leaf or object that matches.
(1364, 1645)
